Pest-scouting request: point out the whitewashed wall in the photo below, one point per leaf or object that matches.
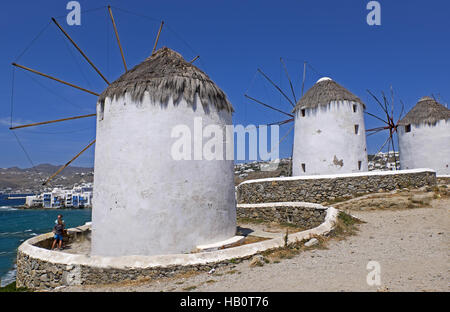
(325, 138)
(146, 203)
(426, 146)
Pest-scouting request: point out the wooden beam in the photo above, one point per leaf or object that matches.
(51, 121)
(304, 76)
(56, 79)
(266, 105)
(377, 129)
(194, 59)
(289, 78)
(79, 50)
(68, 163)
(157, 37)
(278, 88)
(117, 37)
(376, 117)
(279, 123)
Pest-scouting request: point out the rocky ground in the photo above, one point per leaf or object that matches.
(409, 240)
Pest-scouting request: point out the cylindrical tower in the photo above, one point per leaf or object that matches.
(329, 133)
(424, 137)
(146, 200)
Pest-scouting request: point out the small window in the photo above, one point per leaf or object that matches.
(102, 111)
(303, 112)
(304, 167)
(408, 128)
(356, 129)
(359, 165)
(355, 108)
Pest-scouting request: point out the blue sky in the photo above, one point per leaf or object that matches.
(233, 38)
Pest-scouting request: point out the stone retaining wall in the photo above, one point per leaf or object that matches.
(305, 215)
(39, 268)
(443, 179)
(318, 189)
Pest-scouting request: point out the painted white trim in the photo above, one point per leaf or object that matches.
(342, 175)
(222, 244)
(162, 261)
(282, 204)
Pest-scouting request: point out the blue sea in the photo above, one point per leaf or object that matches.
(18, 225)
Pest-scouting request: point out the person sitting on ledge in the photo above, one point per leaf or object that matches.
(58, 230)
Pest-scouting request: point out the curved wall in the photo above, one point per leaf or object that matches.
(325, 141)
(425, 146)
(147, 203)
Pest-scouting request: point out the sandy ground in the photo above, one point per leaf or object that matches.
(411, 246)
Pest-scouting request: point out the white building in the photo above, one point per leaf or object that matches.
(424, 137)
(329, 135)
(78, 197)
(34, 201)
(146, 202)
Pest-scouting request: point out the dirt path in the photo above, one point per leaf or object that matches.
(411, 246)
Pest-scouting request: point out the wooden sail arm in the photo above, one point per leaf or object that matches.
(51, 121)
(68, 163)
(376, 129)
(378, 101)
(79, 50)
(157, 37)
(117, 37)
(375, 116)
(277, 87)
(289, 78)
(194, 59)
(279, 123)
(268, 106)
(56, 79)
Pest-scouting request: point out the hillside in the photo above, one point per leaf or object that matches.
(29, 180)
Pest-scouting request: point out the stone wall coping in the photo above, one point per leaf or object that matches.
(162, 261)
(341, 175)
(443, 176)
(283, 204)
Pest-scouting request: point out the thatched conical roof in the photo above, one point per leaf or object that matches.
(427, 111)
(166, 74)
(324, 91)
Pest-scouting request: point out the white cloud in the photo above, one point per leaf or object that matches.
(6, 121)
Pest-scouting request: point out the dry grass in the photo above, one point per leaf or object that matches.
(189, 288)
(393, 201)
(274, 227)
(346, 225)
(251, 240)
